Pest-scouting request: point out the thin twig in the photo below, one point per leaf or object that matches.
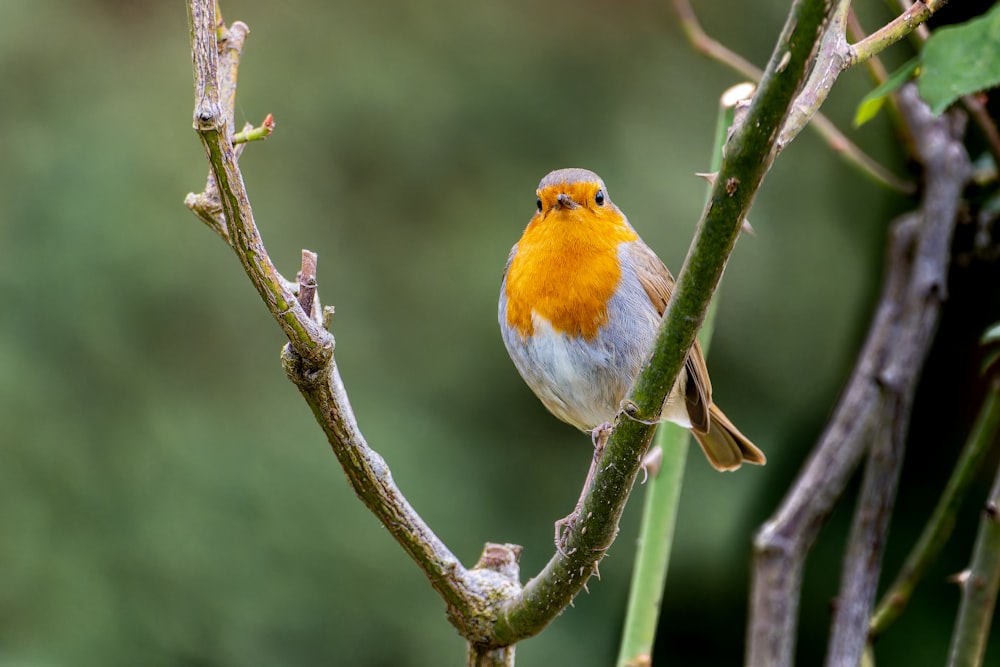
(837, 140)
(702, 43)
(308, 359)
(210, 121)
(879, 74)
(892, 32)
(835, 55)
(856, 32)
(972, 103)
(259, 133)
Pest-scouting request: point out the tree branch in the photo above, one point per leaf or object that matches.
(893, 352)
(942, 520)
(894, 31)
(748, 157)
(487, 606)
(947, 168)
(980, 584)
(835, 139)
(308, 358)
(835, 55)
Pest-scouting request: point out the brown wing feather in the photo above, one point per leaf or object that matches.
(658, 283)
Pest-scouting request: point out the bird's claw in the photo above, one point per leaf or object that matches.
(563, 528)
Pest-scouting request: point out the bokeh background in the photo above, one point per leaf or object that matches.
(165, 496)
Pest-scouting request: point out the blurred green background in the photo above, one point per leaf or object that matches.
(165, 496)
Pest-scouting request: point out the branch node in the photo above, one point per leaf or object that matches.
(501, 558)
(208, 117)
(307, 282)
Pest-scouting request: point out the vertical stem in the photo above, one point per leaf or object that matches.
(663, 490)
(982, 580)
(656, 536)
(979, 589)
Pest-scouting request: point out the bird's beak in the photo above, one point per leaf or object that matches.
(565, 201)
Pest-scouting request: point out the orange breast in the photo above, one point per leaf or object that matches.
(566, 269)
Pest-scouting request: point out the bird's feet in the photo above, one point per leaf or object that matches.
(599, 436)
(563, 528)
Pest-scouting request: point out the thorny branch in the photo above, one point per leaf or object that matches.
(876, 401)
(485, 603)
(837, 140)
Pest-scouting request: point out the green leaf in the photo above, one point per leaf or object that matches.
(961, 59)
(872, 102)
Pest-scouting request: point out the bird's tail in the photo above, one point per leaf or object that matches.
(724, 446)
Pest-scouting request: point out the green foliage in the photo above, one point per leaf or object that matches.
(955, 61)
(962, 59)
(872, 103)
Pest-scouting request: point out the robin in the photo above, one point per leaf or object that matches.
(580, 306)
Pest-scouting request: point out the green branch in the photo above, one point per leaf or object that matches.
(894, 31)
(259, 133)
(979, 589)
(835, 139)
(663, 490)
(487, 606)
(942, 520)
(748, 157)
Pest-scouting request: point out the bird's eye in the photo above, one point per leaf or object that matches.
(538, 203)
(599, 198)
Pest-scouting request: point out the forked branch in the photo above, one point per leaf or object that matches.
(486, 603)
(877, 398)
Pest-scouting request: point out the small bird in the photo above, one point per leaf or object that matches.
(580, 306)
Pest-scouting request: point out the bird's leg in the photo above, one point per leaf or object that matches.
(599, 436)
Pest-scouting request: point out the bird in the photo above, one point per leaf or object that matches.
(581, 301)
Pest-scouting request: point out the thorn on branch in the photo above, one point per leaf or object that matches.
(960, 578)
(651, 463)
